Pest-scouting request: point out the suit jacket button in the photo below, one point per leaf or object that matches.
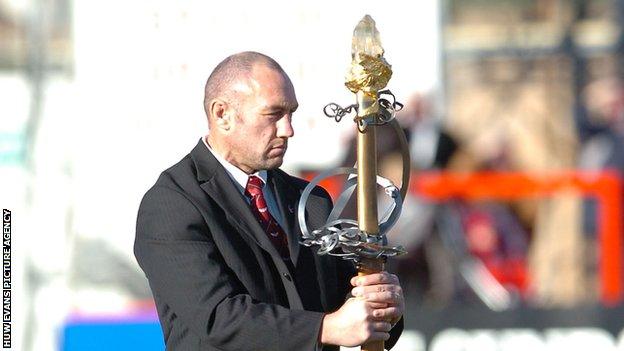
(288, 277)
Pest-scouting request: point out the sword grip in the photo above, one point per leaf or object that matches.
(366, 267)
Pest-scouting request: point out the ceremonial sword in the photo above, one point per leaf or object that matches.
(364, 242)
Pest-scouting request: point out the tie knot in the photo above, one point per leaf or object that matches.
(254, 185)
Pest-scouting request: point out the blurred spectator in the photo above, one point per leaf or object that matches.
(431, 146)
(603, 126)
(602, 109)
(600, 125)
(494, 236)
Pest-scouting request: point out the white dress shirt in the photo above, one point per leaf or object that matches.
(240, 181)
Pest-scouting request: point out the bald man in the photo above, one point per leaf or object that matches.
(218, 239)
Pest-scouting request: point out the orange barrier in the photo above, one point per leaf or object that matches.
(605, 187)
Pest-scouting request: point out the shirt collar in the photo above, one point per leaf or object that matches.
(234, 172)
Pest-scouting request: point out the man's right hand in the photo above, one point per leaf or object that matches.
(353, 325)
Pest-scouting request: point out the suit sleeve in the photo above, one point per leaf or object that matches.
(187, 273)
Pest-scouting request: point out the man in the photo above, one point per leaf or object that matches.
(219, 243)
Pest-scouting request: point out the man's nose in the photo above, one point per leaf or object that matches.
(284, 127)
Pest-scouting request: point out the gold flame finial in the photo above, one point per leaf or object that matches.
(369, 71)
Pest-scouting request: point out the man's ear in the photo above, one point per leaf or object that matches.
(221, 114)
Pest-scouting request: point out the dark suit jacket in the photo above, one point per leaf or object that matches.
(218, 282)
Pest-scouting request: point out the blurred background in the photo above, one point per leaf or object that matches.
(514, 112)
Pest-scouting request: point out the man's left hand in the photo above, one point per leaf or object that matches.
(384, 292)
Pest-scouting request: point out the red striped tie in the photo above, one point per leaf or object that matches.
(260, 209)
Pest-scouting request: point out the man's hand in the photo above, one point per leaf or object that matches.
(383, 292)
(378, 304)
(353, 325)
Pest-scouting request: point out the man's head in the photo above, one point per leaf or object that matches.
(249, 101)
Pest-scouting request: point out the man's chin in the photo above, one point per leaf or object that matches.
(273, 163)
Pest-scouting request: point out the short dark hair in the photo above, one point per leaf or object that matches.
(230, 70)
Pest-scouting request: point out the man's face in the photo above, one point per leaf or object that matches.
(262, 125)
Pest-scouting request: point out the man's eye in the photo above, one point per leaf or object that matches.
(276, 114)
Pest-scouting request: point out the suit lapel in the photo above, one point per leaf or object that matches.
(218, 185)
(287, 201)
